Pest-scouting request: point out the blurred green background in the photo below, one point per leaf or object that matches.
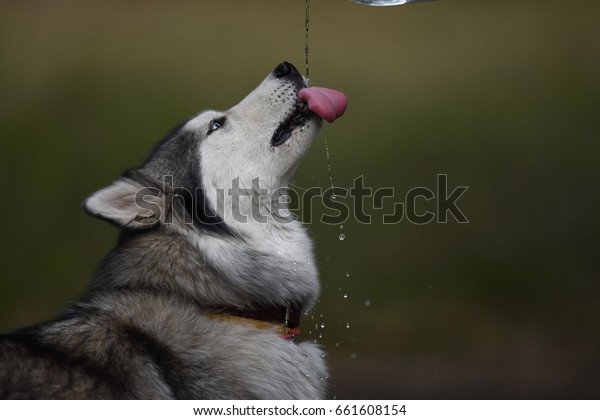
(503, 96)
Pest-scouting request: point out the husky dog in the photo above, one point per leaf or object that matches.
(201, 297)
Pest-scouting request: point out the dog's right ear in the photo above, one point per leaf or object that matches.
(127, 204)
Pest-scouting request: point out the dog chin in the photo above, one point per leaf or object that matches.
(297, 121)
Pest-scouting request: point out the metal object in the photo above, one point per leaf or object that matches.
(386, 2)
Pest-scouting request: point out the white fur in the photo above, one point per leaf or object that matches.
(242, 150)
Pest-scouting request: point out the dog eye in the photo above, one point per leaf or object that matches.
(216, 124)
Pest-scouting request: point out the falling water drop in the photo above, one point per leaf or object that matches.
(347, 325)
(333, 196)
(342, 236)
(306, 29)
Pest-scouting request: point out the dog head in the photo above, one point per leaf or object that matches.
(192, 175)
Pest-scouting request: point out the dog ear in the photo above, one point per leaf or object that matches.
(127, 204)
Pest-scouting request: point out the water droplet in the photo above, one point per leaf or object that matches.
(280, 251)
(367, 302)
(323, 355)
(347, 325)
(342, 236)
(341, 227)
(347, 274)
(337, 344)
(353, 356)
(320, 335)
(315, 341)
(345, 295)
(333, 197)
(322, 325)
(307, 312)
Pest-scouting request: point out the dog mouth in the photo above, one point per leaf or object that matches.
(320, 102)
(297, 119)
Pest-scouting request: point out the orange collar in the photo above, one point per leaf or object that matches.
(283, 320)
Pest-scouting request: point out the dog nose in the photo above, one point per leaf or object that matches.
(284, 69)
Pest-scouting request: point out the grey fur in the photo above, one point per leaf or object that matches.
(142, 330)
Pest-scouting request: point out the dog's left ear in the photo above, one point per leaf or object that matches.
(127, 204)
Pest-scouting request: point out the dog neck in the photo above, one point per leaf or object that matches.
(268, 268)
(268, 252)
(252, 206)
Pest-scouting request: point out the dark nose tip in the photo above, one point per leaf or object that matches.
(284, 69)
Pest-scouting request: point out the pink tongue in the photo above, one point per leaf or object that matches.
(327, 103)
